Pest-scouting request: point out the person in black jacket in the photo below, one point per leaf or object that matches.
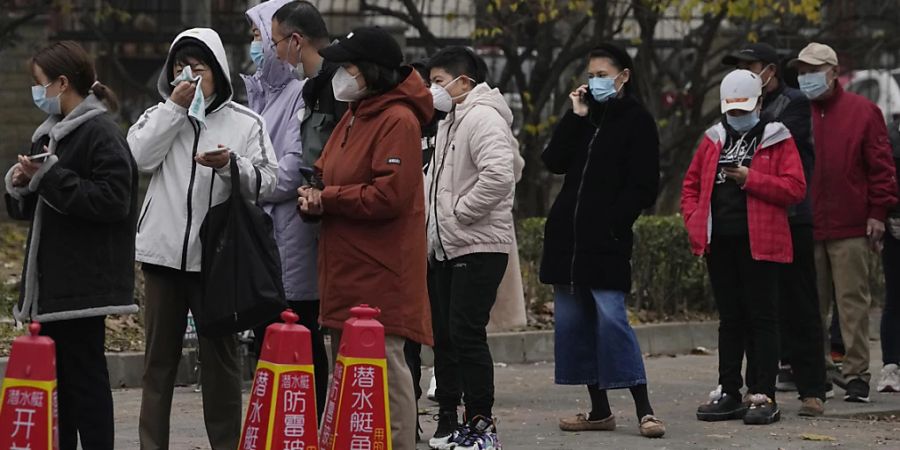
(802, 368)
(79, 190)
(608, 149)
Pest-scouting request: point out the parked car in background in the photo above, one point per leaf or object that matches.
(881, 87)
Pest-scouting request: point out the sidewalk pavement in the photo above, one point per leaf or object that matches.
(529, 405)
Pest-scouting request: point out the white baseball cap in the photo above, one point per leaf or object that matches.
(741, 90)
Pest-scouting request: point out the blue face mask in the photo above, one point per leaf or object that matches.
(48, 105)
(813, 84)
(743, 124)
(602, 88)
(256, 52)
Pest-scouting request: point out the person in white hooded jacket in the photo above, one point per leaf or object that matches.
(471, 187)
(185, 143)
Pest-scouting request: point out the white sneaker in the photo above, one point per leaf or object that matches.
(890, 379)
(432, 387)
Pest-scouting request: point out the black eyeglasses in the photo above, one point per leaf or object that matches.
(274, 44)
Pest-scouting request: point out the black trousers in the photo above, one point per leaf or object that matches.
(746, 293)
(308, 310)
(83, 392)
(800, 323)
(463, 291)
(412, 351)
(890, 315)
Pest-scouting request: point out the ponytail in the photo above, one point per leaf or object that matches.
(70, 59)
(106, 95)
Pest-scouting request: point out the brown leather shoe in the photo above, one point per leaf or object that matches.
(812, 407)
(652, 427)
(581, 423)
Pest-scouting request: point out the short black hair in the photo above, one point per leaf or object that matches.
(421, 66)
(303, 18)
(457, 61)
(379, 79)
(621, 60)
(191, 52)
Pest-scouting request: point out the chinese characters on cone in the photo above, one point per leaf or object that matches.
(357, 415)
(28, 413)
(281, 414)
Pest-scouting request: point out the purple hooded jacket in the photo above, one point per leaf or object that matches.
(276, 95)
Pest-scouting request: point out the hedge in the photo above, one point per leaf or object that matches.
(668, 281)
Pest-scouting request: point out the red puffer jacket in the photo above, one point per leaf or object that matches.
(774, 183)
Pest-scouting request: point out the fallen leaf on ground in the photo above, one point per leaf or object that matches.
(816, 437)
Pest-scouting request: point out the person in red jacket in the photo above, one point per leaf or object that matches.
(853, 187)
(735, 201)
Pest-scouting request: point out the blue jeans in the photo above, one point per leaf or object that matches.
(595, 345)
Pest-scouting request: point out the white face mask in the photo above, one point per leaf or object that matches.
(442, 100)
(345, 87)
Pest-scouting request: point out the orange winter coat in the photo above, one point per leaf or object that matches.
(372, 247)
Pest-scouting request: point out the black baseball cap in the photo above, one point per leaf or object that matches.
(752, 52)
(372, 44)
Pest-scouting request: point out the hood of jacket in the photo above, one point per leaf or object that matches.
(211, 40)
(273, 73)
(411, 91)
(483, 94)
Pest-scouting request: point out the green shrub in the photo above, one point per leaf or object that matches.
(667, 280)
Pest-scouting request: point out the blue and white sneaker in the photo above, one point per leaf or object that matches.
(481, 435)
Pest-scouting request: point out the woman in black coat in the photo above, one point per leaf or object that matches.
(608, 149)
(78, 188)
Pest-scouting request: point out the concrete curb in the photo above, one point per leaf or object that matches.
(126, 369)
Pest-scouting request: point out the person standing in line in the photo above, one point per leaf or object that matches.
(734, 200)
(186, 142)
(275, 93)
(799, 321)
(470, 188)
(890, 314)
(78, 188)
(371, 202)
(853, 186)
(298, 34)
(607, 147)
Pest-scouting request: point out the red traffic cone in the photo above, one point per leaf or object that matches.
(357, 415)
(28, 413)
(282, 409)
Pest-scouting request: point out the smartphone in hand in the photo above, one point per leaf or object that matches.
(214, 151)
(312, 180)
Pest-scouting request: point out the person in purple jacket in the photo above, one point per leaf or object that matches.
(276, 94)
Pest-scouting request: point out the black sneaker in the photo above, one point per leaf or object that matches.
(763, 411)
(448, 422)
(785, 381)
(857, 391)
(725, 407)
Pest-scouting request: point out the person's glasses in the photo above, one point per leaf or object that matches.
(274, 44)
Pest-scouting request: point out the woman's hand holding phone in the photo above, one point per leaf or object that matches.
(579, 106)
(216, 158)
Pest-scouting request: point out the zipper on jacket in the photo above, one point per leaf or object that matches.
(347, 131)
(434, 189)
(190, 196)
(587, 162)
(144, 214)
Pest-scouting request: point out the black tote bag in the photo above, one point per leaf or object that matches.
(241, 267)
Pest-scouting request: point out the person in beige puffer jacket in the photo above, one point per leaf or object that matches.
(470, 192)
